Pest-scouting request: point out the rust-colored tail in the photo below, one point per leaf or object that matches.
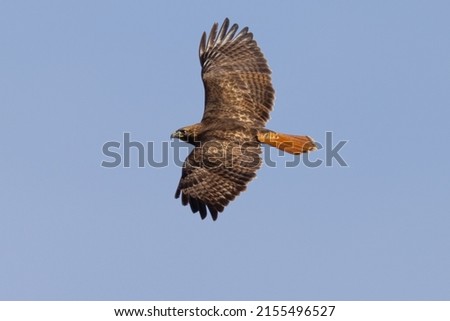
(292, 144)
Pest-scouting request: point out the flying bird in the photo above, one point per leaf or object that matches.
(227, 142)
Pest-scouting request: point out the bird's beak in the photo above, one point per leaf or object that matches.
(175, 135)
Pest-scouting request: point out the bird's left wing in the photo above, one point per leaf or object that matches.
(216, 172)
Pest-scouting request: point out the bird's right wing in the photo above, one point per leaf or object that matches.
(236, 77)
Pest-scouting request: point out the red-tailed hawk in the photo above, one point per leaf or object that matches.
(238, 99)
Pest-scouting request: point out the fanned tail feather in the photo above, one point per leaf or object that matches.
(292, 144)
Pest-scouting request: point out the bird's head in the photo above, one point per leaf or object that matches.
(187, 134)
(181, 134)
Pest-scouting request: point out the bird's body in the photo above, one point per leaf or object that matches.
(238, 99)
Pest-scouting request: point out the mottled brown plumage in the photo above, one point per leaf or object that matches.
(238, 99)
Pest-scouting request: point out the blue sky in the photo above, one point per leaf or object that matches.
(77, 74)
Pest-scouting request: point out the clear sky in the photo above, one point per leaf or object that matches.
(77, 74)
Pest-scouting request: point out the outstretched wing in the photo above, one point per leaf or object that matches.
(236, 77)
(216, 172)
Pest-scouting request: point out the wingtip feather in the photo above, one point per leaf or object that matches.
(202, 47)
(212, 36)
(223, 30)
